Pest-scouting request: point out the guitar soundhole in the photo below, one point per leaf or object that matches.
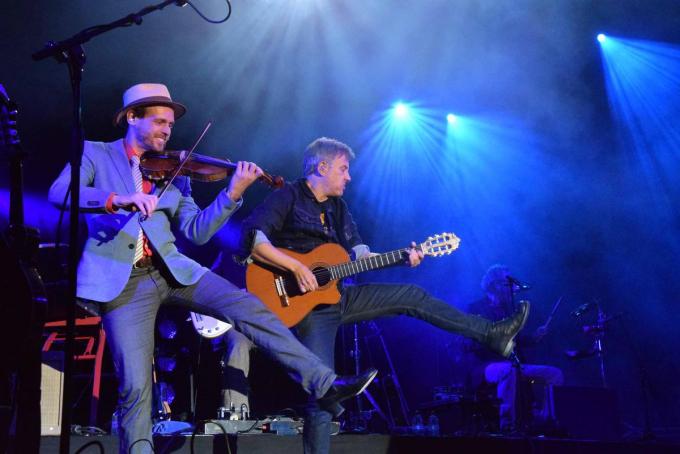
(323, 276)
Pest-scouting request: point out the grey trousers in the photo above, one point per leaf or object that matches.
(235, 369)
(129, 324)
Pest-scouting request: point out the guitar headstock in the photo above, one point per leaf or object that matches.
(9, 136)
(440, 244)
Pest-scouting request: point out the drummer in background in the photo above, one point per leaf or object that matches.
(496, 304)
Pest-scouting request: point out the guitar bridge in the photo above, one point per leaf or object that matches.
(281, 291)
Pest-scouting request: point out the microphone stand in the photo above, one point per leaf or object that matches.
(360, 423)
(599, 347)
(516, 364)
(645, 385)
(70, 51)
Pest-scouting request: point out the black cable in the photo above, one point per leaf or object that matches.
(86, 431)
(210, 20)
(137, 441)
(91, 443)
(290, 411)
(197, 371)
(249, 428)
(204, 422)
(82, 392)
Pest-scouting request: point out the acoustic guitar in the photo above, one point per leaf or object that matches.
(329, 262)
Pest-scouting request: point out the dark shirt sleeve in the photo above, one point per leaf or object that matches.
(268, 217)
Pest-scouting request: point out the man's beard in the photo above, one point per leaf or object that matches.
(151, 143)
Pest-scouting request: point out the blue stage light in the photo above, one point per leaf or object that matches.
(644, 94)
(451, 119)
(601, 37)
(401, 111)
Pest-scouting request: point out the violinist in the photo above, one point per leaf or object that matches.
(130, 265)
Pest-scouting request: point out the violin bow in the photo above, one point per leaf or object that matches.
(184, 161)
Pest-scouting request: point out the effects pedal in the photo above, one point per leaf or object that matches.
(232, 426)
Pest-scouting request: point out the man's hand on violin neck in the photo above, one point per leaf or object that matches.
(138, 201)
(246, 173)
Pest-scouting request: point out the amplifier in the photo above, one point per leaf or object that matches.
(585, 412)
(51, 392)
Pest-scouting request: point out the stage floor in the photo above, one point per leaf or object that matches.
(370, 444)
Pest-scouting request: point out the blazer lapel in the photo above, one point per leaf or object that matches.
(121, 164)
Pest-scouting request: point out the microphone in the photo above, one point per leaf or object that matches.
(517, 284)
(582, 309)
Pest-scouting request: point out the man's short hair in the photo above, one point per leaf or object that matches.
(495, 273)
(139, 111)
(323, 149)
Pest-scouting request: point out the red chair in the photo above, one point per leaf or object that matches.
(57, 333)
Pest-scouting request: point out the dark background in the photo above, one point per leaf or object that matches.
(541, 183)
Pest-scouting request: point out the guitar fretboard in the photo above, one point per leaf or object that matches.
(368, 263)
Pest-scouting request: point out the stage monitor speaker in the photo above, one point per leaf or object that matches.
(585, 412)
(51, 392)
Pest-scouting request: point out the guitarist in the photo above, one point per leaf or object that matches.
(310, 212)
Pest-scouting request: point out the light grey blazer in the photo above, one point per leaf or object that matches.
(106, 263)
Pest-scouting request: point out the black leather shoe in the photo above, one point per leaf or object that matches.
(344, 387)
(501, 336)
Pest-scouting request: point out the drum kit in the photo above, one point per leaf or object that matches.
(593, 323)
(596, 330)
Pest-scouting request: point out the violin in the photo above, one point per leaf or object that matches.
(163, 165)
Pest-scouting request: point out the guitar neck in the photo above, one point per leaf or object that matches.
(16, 198)
(11, 145)
(374, 262)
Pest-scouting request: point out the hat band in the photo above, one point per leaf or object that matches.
(150, 100)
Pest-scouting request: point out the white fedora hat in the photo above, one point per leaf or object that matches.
(141, 95)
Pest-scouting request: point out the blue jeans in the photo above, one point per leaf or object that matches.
(365, 302)
(129, 324)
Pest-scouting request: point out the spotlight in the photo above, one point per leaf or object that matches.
(451, 119)
(601, 37)
(401, 110)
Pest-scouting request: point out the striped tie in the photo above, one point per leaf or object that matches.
(137, 175)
